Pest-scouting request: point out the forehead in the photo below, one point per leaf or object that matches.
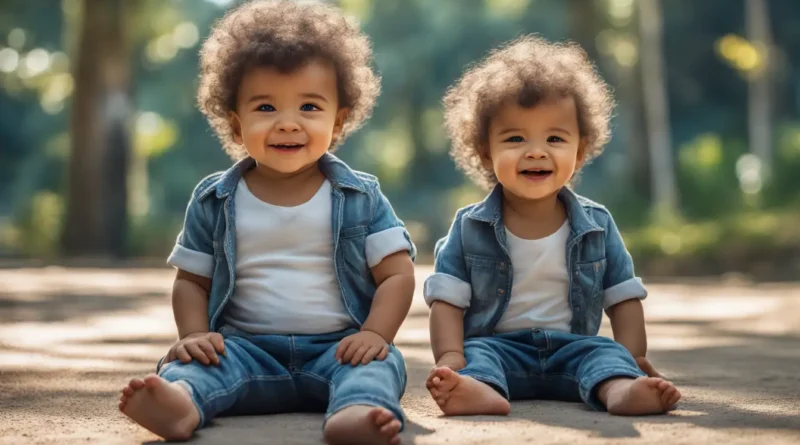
(315, 76)
(549, 110)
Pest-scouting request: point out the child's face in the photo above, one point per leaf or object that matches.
(286, 121)
(535, 151)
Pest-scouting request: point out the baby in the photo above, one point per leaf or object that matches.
(522, 278)
(294, 273)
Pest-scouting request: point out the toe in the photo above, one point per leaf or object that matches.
(391, 428)
(436, 381)
(152, 380)
(128, 391)
(383, 417)
(136, 384)
(664, 385)
(395, 440)
(676, 396)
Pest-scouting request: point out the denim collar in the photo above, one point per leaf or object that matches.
(337, 172)
(490, 211)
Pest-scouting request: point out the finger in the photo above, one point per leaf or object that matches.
(183, 355)
(384, 352)
(209, 351)
(359, 354)
(170, 356)
(370, 354)
(343, 345)
(218, 342)
(347, 354)
(197, 353)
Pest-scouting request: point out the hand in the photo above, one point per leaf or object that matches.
(452, 360)
(201, 346)
(361, 347)
(647, 367)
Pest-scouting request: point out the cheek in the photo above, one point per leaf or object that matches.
(505, 163)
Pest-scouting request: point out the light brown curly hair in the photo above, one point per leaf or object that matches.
(529, 69)
(286, 35)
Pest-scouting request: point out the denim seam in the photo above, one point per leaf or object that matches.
(482, 377)
(313, 376)
(224, 392)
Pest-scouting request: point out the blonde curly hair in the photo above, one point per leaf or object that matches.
(286, 35)
(529, 69)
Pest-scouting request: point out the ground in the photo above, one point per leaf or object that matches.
(71, 338)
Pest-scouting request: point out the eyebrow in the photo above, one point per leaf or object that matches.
(559, 130)
(509, 130)
(259, 97)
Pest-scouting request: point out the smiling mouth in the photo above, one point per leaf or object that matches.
(536, 173)
(287, 146)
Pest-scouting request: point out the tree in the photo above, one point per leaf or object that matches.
(656, 106)
(759, 98)
(100, 138)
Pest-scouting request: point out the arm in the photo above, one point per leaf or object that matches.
(395, 279)
(623, 292)
(390, 257)
(448, 292)
(627, 323)
(193, 257)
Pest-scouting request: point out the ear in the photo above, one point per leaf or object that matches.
(236, 127)
(338, 124)
(486, 157)
(581, 153)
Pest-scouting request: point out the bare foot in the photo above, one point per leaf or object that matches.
(459, 395)
(362, 425)
(164, 408)
(636, 397)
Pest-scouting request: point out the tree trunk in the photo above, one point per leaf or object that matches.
(759, 96)
(96, 223)
(656, 106)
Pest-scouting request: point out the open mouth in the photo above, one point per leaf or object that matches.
(287, 146)
(536, 173)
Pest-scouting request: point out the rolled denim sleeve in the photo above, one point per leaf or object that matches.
(620, 282)
(194, 249)
(387, 233)
(449, 282)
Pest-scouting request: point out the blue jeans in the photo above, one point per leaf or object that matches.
(267, 374)
(540, 364)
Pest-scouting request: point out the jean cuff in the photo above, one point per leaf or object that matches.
(589, 384)
(496, 384)
(394, 407)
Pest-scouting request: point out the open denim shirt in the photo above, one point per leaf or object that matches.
(365, 231)
(473, 268)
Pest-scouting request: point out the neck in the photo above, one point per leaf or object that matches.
(279, 179)
(543, 208)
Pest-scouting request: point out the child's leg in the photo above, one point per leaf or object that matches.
(185, 397)
(364, 400)
(602, 373)
(490, 378)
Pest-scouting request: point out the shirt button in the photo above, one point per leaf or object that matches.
(501, 291)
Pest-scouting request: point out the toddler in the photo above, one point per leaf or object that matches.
(522, 278)
(293, 272)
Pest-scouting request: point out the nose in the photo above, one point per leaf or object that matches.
(287, 125)
(534, 151)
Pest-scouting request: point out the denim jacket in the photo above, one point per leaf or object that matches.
(473, 267)
(365, 230)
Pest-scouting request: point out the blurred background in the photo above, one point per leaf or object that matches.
(101, 142)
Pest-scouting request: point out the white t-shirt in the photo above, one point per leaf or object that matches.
(285, 278)
(540, 291)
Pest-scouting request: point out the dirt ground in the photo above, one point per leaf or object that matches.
(71, 338)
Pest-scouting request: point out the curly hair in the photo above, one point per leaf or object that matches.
(286, 35)
(528, 69)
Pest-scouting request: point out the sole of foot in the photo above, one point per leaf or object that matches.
(641, 396)
(164, 408)
(459, 395)
(362, 425)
